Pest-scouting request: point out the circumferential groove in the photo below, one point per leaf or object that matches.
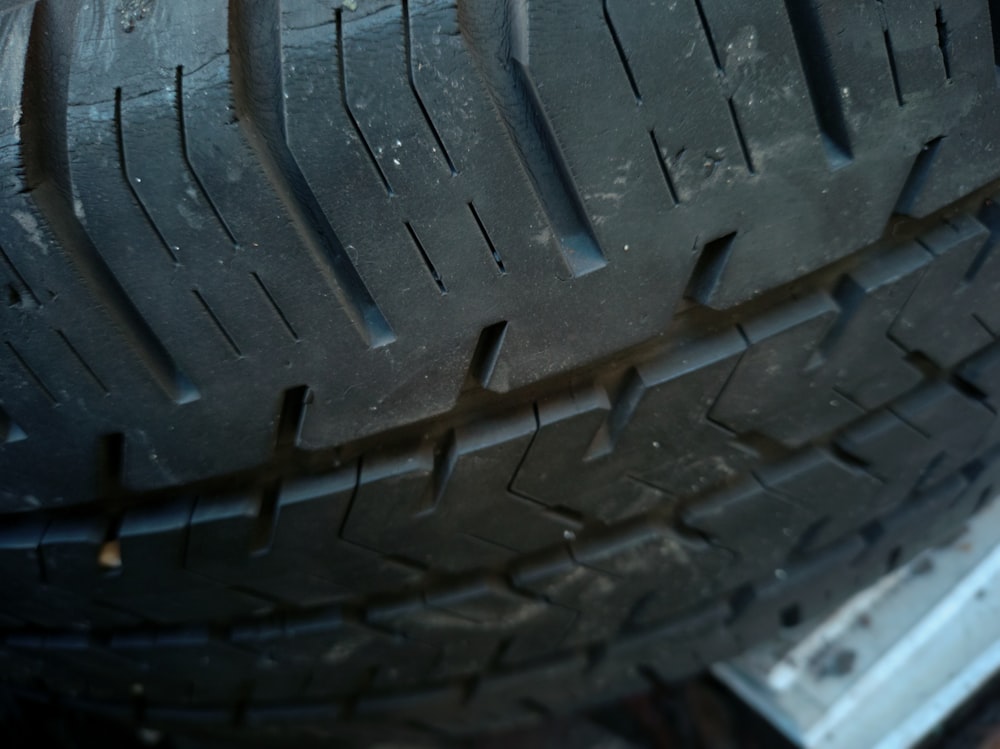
(258, 93)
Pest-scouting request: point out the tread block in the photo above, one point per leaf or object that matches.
(768, 96)
(575, 679)
(968, 47)
(471, 624)
(229, 522)
(444, 73)
(101, 675)
(489, 603)
(163, 156)
(983, 372)
(336, 653)
(465, 647)
(21, 568)
(834, 346)
(19, 542)
(891, 449)
(928, 519)
(646, 464)
(598, 605)
(152, 580)
(198, 668)
(622, 192)
(507, 693)
(817, 481)
(919, 176)
(539, 193)
(635, 553)
(684, 646)
(811, 589)
(984, 272)
(927, 435)
(423, 705)
(306, 563)
(911, 29)
(780, 346)
(956, 423)
(682, 388)
(668, 36)
(617, 571)
(758, 525)
(946, 329)
(168, 187)
(71, 548)
(870, 298)
(437, 512)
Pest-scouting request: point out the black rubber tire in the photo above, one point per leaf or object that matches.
(433, 367)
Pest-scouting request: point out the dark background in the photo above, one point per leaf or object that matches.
(699, 714)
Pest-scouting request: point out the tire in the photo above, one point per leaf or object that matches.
(409, 367)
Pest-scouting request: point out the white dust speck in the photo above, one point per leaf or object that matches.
(30, 225)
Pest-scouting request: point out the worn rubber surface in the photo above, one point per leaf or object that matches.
(438, 366)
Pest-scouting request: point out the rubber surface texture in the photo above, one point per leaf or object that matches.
(435, 366)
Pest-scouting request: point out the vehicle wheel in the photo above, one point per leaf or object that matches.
(433, 366)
